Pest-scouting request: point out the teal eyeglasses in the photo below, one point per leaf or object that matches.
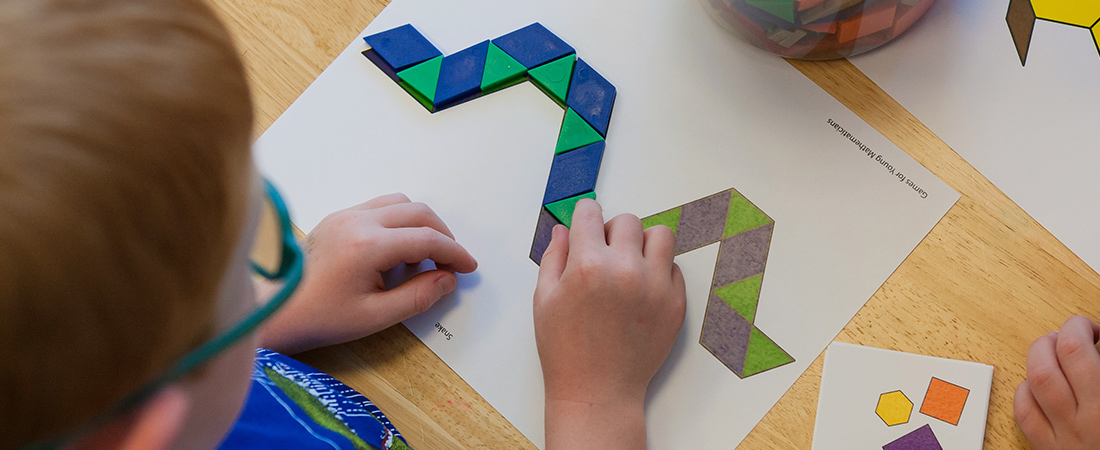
(287, 269)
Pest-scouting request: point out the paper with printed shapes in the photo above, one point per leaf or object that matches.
(875, 398)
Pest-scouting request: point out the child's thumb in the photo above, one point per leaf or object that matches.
(554, 258)
(419, 293)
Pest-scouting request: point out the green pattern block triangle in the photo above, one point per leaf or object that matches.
(670, 218)
(563, 209)
(575, 133)
(420, 80)
(763, 354)
(554, 77)
(783, 9)
(743, 216)
(742, 296)
(501, 70)
(315, 409)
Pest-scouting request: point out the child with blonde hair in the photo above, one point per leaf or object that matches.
(130, 315)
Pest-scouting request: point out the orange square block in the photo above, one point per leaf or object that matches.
(827, 27)
(807, 4)
(944, 401)
(874, 19)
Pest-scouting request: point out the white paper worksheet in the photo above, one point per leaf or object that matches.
(1030, 129)
(697, 113)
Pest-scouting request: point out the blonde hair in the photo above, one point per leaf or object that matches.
(124, 176)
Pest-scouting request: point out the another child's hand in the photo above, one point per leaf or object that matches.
(342, 296)
(1058, 406)
(608, 306)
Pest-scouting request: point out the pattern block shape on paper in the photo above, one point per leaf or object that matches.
(744, 235)
(591, 96)
(1022, 15)
(554, 77)
(944, 401)
(920, 439)
(670, 219)
(460, 75)
(501, 70)
(543, 234)
(563, 209)
(421, 80)
(533, 45)
(575, 133)
(402, 47)
(894, 408)
(439, 82)
(574, 173)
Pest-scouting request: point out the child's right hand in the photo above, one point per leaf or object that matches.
(1058, 406)
(608, 306)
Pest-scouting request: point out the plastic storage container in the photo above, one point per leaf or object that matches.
(817, 29)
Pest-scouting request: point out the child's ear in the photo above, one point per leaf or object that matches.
(152, 426)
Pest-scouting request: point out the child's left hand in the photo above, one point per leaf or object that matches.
(1058, 406)
(342, 296)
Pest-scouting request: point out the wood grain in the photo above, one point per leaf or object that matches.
(985, 282)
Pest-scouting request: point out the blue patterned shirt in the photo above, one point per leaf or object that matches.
(294, 406)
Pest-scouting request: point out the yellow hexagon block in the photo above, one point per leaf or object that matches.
(894, 408)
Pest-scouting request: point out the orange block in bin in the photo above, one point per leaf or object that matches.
(827, 27)
(944, 401)
(873, 20)
(807, 4)
(906, 16)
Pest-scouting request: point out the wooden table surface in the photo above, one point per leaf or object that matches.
(985, 282)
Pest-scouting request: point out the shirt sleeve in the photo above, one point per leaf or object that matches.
(292, 405)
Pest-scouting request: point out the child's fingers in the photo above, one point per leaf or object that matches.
(625, 231)
(1079, 359)
(554, 258)
(1030, 417)
(411, 297)
(411, 215)
(1047, 382)
(659, 247)
(586, 231)
(413, 245)
(679, 288)
(382, 201)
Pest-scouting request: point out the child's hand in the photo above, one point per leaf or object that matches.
(342, 296)
(1058, 406)
(608, 306)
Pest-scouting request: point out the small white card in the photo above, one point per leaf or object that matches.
(875, 398)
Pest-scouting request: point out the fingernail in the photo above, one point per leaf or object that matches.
(586, 199)
(555, 233)
(446, 283)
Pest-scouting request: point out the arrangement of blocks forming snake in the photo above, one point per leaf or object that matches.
(534, 53)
